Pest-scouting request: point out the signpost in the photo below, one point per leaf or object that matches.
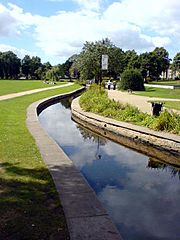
(104, 62)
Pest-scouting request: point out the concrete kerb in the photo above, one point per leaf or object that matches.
(85, 216)
(155, 144)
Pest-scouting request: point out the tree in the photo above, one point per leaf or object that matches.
(159, 62)
(10, 65)
(26, 65)
(131, 59)
(34, 65)
(30, 67)
(53, 74)
(65, 67)
(144, 61)
(116, 61)
(132, 79)
(89, 60)
(176, 65)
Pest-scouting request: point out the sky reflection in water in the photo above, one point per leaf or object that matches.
(141, 194)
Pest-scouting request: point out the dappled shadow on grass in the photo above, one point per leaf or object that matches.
(29, 205)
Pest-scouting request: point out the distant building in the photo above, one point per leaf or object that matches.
(170, 74)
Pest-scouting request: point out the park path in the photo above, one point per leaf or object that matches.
(19, 94)
(139, 101)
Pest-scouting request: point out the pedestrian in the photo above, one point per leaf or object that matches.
(114, 85)
(109, 84)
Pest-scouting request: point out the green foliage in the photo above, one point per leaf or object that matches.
(96, 100)
(30, 67)
(167, 122)
(53, 74)
(132, 79)
(9, 65)
(89, 60)
(97, 97)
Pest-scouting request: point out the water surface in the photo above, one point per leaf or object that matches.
(141, 194)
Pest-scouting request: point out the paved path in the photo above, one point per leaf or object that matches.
(139, 101)
(19, 94)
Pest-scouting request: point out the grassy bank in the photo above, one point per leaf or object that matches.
(14, 86)
(96, 100)
(159, 93)
(29, 204)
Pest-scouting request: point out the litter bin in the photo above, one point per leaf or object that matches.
(156, 108)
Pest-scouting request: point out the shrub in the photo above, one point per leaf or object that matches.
(132, 79)
(167, 122)
(97, 101)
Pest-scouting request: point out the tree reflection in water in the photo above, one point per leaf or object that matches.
(88, 135)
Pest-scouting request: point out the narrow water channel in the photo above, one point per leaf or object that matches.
(141, 194)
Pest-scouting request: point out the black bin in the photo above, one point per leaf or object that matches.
(156, 108)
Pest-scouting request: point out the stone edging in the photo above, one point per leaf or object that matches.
(85, 216)
(155, 144)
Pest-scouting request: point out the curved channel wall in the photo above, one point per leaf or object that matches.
(163, 146)
(85, 216)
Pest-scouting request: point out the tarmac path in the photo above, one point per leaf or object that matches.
(19, 94)
(139, 101)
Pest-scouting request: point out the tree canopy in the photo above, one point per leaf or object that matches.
(87, 64)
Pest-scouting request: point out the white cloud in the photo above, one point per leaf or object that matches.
(8, 22)
(130, 24)
(127, 23)
(160, 16)
(20, 52)
(89, 4)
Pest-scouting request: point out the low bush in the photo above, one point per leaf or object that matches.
(167, 121)
(132, 79)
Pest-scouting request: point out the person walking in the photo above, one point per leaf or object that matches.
(114, 85)
(109, 84)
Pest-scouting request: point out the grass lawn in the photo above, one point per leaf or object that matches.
(172, 104)
(170, 82)
(29, 204)
(159, 93)
(14, 86)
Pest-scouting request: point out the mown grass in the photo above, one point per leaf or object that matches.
(29, 204)
(172, 104)
(167, 82)
(159, 92)
(96, 100)
(14, 86)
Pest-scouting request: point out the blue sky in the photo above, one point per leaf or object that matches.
(56, 29)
